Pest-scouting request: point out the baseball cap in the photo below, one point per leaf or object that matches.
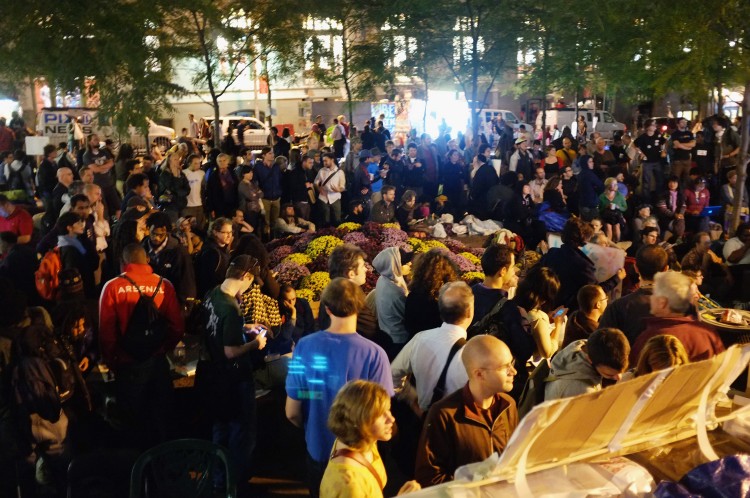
(520, 140)
(365, 154)
(247, 263)
(375, 152)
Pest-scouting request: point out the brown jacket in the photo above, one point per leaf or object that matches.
(455, 434)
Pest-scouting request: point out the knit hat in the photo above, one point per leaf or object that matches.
(71, 283)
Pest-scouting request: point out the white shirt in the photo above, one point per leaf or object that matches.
(425, 355)
(195, 179)
(331, 191)
(537, 190)
(732, 245)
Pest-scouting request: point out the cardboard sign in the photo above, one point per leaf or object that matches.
(35, 145)
(607, 260)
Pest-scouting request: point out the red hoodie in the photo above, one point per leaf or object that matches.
(116, 305)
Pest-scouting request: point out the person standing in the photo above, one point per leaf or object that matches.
(227, 378)
(142, 380)
(330, 183)
(101, 162)
(683, 142)
(650, 145)
(268, 177)
(195, 176)
(322, 363)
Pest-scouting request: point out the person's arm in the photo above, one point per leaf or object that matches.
(170, 308)
(401, 365)
(108, 324)
(545, 335)
(233, 352)
(435, 461)
(736, 255)
(293, 411)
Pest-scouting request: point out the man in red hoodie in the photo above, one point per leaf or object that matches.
(142, 380)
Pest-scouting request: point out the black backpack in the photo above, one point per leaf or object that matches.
(490, 324)
(147, 327)
(15, 177)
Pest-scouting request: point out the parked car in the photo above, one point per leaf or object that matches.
(606, 124)
(487, 115)
(256, 132)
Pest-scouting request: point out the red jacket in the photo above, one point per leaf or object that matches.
(700, 340)
(116, 305)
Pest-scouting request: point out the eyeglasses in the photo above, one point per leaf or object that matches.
(507, 367)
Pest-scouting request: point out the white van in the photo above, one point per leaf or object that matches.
(255, 135)
(53, 122)
(606, 123)
(487, 115)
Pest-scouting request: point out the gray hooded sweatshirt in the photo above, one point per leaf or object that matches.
(390, 294)
(573, 373)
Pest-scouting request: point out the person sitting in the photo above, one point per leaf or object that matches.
(360, 416)
(405, 215)
(642, 213)
(647, 236)
(288, 222)
(582, 365)
(659, 352)
(384, 211)
(670, 210)
(553, 211)
(612, 205)
(592, 302)
(473, 422)
(727, 199)
(296, 314)
(572, 266)
(670, 303)
(697, 199)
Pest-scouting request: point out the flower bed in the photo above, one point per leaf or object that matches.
(302, 260)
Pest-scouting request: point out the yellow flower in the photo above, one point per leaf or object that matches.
(471, 257)
(299, 258)
(426, 245)
(349, 226)
(305, 294)
(473, 276)
(391, 225)
(322, 245)
(316, 283)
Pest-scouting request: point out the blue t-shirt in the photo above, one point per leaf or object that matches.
(322, 363)
(377, 180)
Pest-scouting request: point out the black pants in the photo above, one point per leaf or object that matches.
(144, 398)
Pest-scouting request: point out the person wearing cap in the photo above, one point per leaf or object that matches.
(330, 182)
(521, 161)
(361, 187)
(642, 213)
(376, 174)
(227, 378)
(697, 198)
(143, 387)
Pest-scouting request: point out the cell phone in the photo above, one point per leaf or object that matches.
(262, 332)
(559, 313)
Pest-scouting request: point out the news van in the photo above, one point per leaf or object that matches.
(606, 124)
(53, 122)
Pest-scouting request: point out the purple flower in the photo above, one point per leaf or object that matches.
(301, 244)
(279, 253)
(391, 237)
(356, 238)
(290, 273)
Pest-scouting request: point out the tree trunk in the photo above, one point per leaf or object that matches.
(217, 124)
(742, 163)
(268, 85)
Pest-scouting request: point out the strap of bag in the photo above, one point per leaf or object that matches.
(437, 393)
(357, 457)
(329, 177)
(152, 296)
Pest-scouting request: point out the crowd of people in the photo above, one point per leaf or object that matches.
(124, 257)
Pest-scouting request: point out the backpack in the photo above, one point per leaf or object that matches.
(491, 323)
(533, 391)
(147, 327)
(15, 177)
(46, 277)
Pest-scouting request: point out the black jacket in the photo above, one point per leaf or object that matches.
(210, 266)
(174, 263)
(293, 184)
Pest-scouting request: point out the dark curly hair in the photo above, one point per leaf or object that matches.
(576, 232)
(430, 271)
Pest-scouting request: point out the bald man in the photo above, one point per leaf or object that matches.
(473, 422)
(58, 197)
